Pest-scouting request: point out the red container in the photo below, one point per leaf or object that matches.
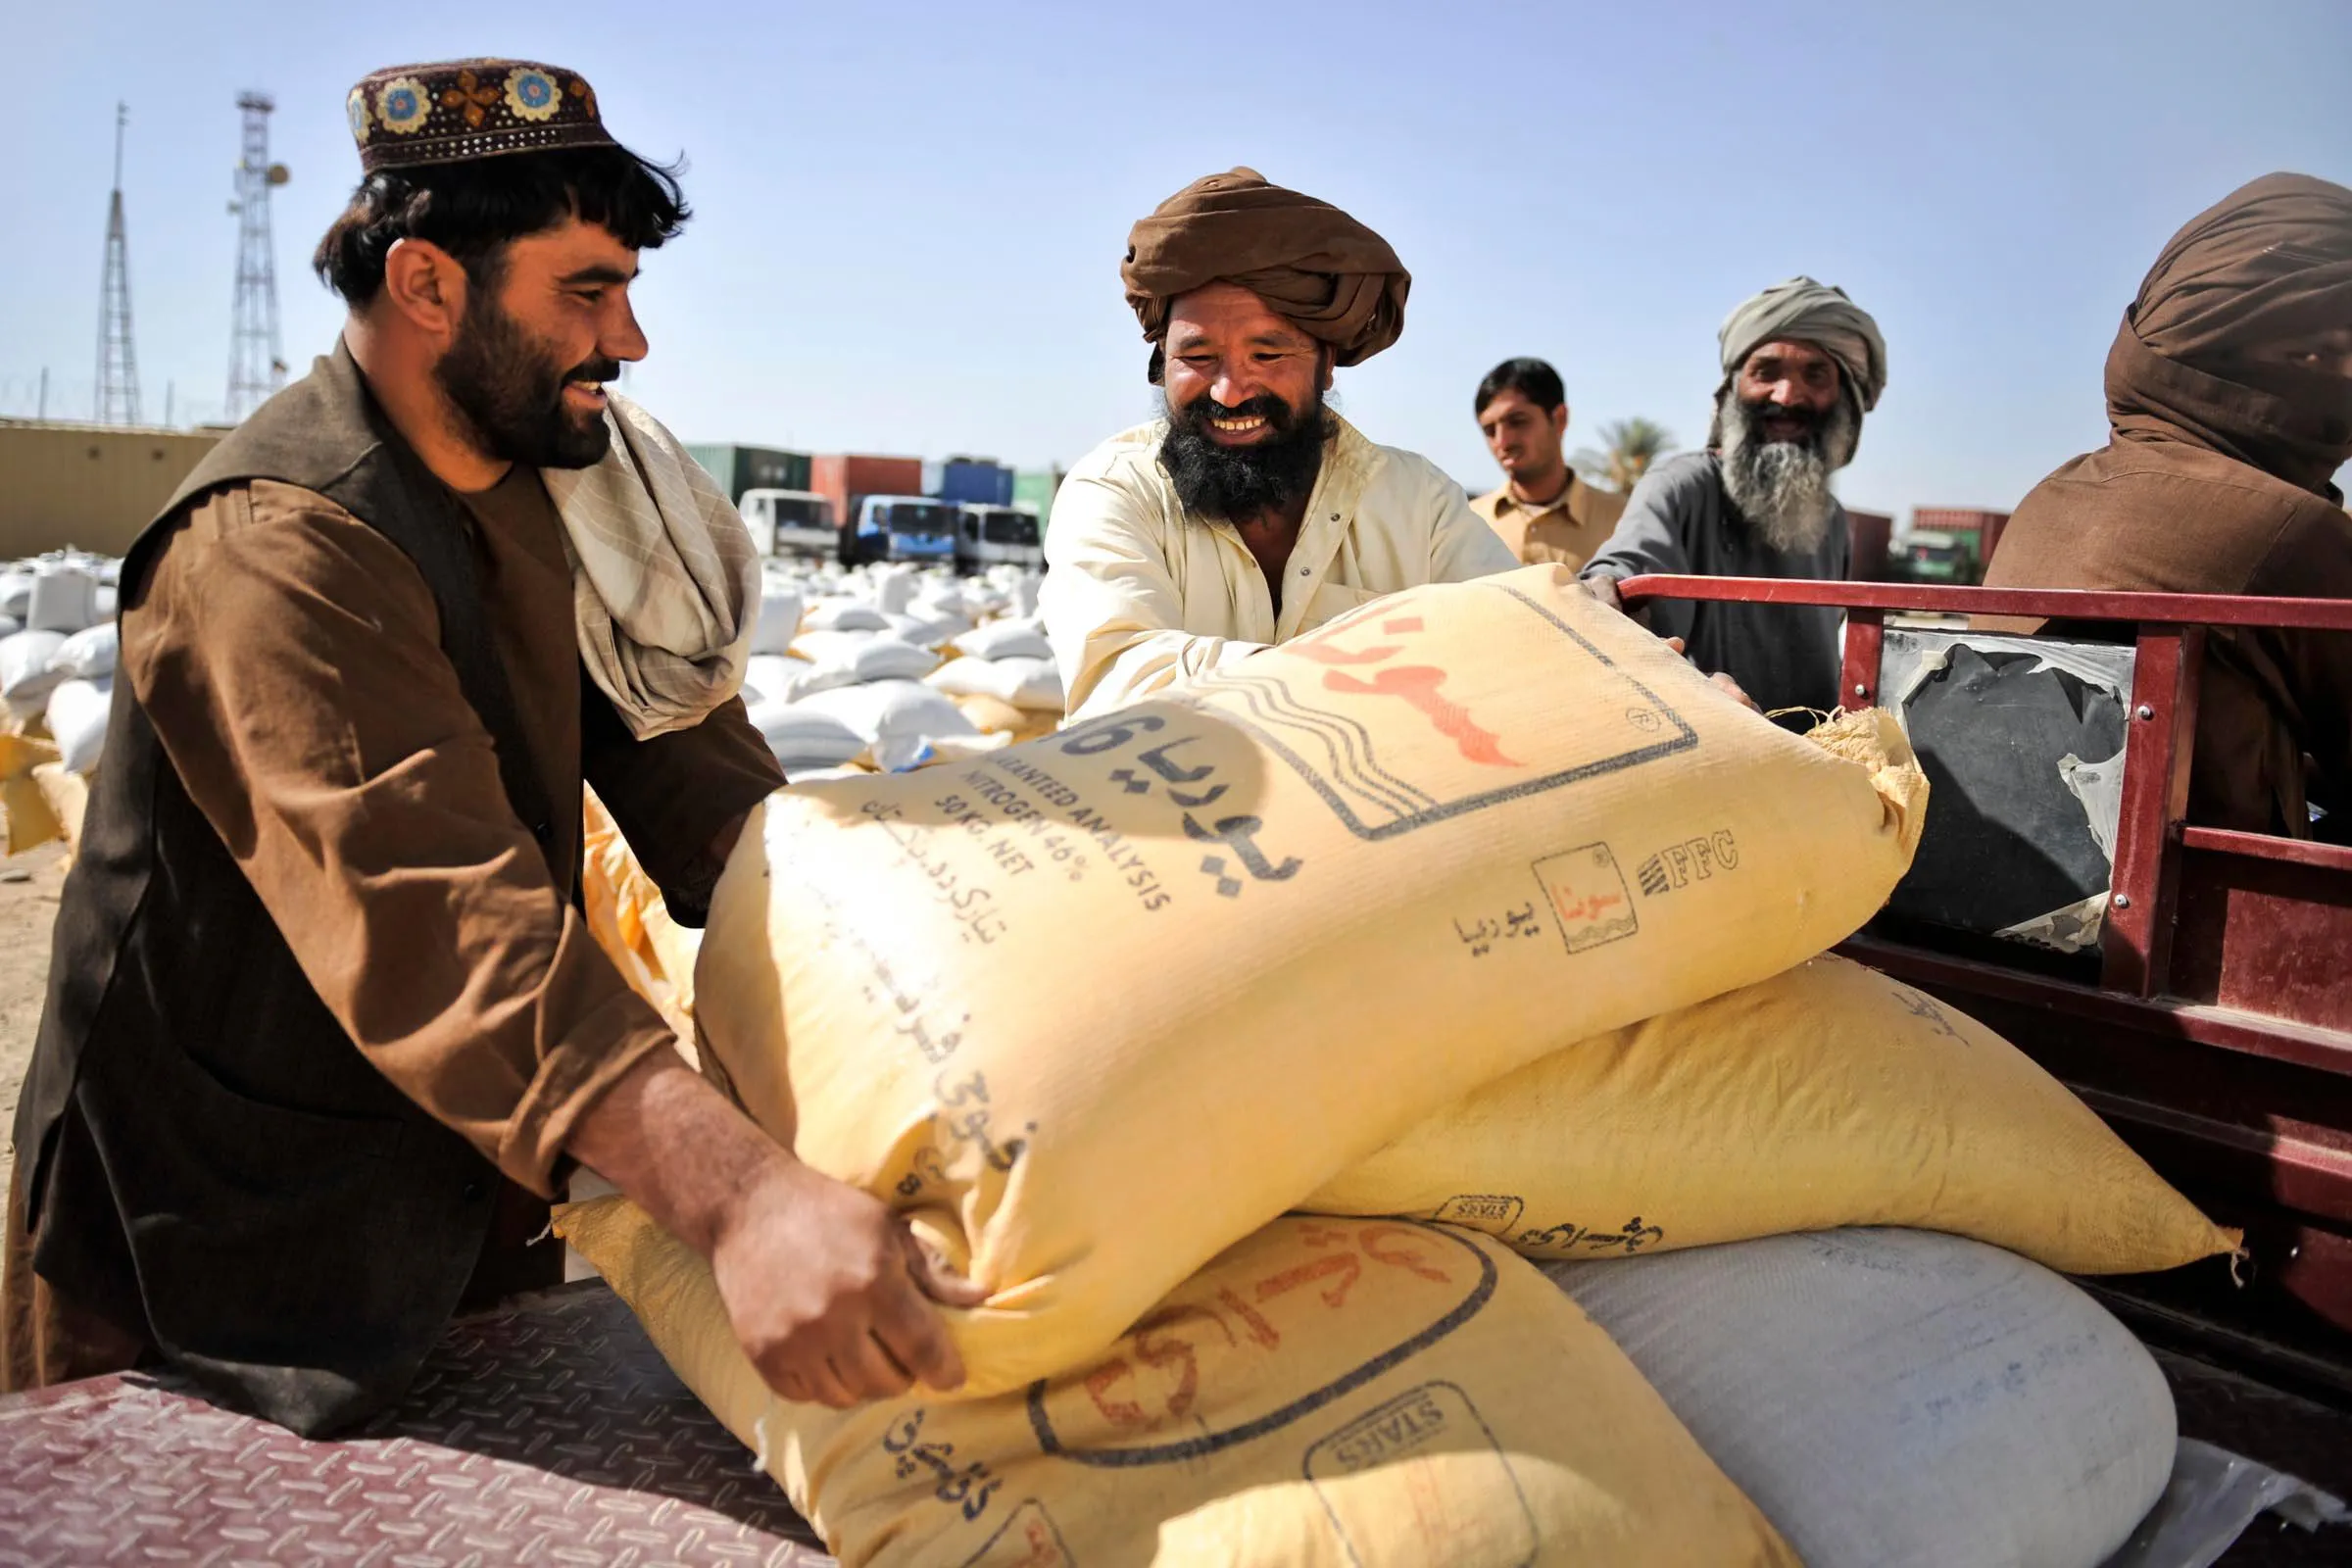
(1872, 533)
(848, 478)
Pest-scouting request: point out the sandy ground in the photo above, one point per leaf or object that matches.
(28, 889)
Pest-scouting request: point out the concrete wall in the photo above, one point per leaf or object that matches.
(95, 486)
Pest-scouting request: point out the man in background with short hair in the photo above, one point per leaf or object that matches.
(1544, 512)
(1801, 365)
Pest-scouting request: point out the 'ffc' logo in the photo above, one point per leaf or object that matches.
(1674, 865)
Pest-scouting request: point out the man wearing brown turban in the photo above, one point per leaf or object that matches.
(1250, 512)
(2229, 399)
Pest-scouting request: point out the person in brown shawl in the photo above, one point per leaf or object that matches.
(1252, 513)
(2229, 399)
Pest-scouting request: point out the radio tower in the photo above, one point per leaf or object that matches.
(255, 367)
(118, 364)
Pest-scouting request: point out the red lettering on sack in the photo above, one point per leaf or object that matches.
(1409, 1259)
(1417, 684)
(1343, 1264)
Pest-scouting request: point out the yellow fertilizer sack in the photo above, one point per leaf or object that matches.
(629, 920)
(1830, 1096)
(1325, 1393)
(1108, 1002)
(994, 716)
(31, 817)
(65, 795)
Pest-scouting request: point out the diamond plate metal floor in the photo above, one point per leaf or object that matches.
(549, 1431)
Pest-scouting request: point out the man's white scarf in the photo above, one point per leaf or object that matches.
(666, 584)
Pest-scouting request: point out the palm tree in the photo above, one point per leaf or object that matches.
(1633, 446)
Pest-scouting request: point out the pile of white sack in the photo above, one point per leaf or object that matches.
(881, 669)
(56, 650)
(887, 668)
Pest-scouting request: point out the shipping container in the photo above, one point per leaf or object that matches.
(847, 479)
(738, 469)
(1034, 488)
(971, 481)
(1872, 533)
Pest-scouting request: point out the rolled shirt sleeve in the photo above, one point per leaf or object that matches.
(289, 658)
(1650, 538)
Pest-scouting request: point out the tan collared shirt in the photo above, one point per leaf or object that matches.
(1141, 594)
(1568, 531)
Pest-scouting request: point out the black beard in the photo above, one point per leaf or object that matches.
(510, 395)
(1235, 484)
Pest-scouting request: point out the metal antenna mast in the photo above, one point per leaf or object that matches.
(118, 363)
(256, 366)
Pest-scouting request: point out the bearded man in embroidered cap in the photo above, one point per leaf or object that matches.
(1249, 513)
(2229, 403)
(325, 1026)
(1801, 365)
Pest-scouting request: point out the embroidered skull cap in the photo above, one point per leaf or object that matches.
(465, 109)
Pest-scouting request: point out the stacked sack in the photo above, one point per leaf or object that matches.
(1003, 678)
(840, 662)
(57, 673)
(1482, 926)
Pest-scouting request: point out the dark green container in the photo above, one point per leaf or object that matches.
(740, 468)
(1034, 488)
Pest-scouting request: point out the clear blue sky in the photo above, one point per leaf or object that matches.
(910, 216)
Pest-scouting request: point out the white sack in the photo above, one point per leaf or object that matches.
(1006, 639)
(857, 657)
(77, 712)
(927, 629)
(63, 598)
(779, 618)
(1030, 683)
(898, 718)
(894, 588)
(24, 673)
(843, 614)
(777, 679)
(87, 655)
(1894, 1398)
(804, 738)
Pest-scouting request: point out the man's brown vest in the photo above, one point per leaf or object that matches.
(212, 1160)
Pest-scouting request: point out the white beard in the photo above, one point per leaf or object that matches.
(1783, 487)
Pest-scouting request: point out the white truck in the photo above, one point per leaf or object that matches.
(790, 523)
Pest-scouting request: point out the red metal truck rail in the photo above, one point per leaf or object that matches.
(2215, 1032)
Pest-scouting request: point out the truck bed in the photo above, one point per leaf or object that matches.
(547, 1431)
(550, 1430)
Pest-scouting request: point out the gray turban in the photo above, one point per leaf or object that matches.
(1808, 311)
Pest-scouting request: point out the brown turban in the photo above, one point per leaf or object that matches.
(1327, 274)
(2271, 263)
